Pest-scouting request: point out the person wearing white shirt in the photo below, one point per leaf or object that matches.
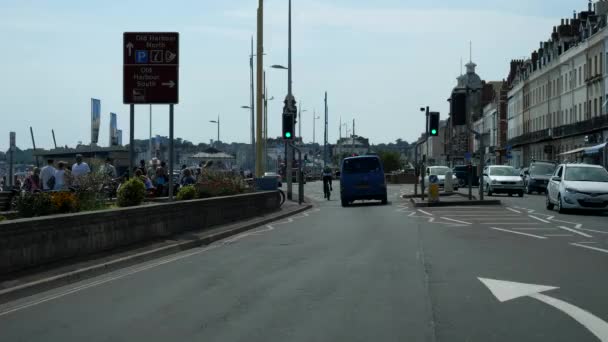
(60, 177)
(80, 168)
(46, 173)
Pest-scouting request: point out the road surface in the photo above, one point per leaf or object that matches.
(363, 273)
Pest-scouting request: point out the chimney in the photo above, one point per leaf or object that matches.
(589, 7)
(574, 15)
(562, 21)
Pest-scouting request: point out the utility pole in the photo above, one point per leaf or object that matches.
(300, 121)
(34, 145)
(290, 107)
(54, 141)
(259, 167)
(325, 135)
(252, 107)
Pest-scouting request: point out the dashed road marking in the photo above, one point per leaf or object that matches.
(424, 212)
(594, 231)
(513, 210)
(558, 235)
(538, 219)
(510, 223)
(590, 247)
(533, 228)
(457, 221)
(575, 232)
(519, 233)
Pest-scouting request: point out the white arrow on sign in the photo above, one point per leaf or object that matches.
(169, 84)
(507, 290)
(129, 47)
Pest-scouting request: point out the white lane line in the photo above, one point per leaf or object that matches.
(457, 221)
(513, 210)
(538, 219)
(549, 217)
(534, 228)
(589, 247)
(473, 215)
(587, 242)
(412, 214)
(568, 222)
(558, 235)
(594, 231)
(507, 223)
(424, 212)
(578, 226)
(520, 233)
(576, 232)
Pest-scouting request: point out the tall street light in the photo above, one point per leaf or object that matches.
(252, 137)
(218, 127)
(314, 132)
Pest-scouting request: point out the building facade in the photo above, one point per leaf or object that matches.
(557, 97)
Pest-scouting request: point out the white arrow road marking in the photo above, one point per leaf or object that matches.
(589, 247)
(520, 233)
(575, 232)
(457, 221)
(412, 214)
(507, 290)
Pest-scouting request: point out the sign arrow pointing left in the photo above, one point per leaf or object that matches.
(129, 47)
(507, 290)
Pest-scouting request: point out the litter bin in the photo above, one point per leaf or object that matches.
(267, 183)
(448, 185)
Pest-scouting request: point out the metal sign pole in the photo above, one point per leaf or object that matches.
(171, 152)
(34, 145)
(131, 139)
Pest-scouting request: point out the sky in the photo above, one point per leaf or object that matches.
(379, 61)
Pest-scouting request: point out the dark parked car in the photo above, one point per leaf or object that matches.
(537, 176)
(462, 173)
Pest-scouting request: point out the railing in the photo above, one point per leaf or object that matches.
(587, 126)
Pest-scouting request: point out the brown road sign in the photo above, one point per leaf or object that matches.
(151, 67)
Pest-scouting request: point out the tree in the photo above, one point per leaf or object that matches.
(390, 160)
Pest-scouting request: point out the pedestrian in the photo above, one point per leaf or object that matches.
(147, 182)
(60, 177)
(80, 168)
(108, 169)
(17, 183)
(33, 183)
(159, 182)
(187, 179)
(182, 173)
(47, 175)
(142, 167)
(152, 169)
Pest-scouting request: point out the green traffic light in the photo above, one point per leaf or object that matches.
(287, 134)
(434, 132)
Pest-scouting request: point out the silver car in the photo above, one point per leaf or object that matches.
(502, 179)
(440, 172)
(578, 186)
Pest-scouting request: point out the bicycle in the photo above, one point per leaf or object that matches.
(327, 190)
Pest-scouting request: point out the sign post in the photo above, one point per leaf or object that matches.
(151, 76)
(12, 146)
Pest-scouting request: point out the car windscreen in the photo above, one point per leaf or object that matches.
(542, 169)
(361, 165)
(586, 174)
(503, 171)
(439, 171)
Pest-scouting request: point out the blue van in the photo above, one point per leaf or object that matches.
(362, 178)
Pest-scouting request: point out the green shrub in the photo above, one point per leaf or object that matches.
(31, 205)
(89, 192)
(131, 193)
(2, 218)
(219, 184)
(187, 192)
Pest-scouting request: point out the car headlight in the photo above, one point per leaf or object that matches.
(494, 181)
(571, 191)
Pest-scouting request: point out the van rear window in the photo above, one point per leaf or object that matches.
(361, 165)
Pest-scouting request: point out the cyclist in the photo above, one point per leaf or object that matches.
(327, 186)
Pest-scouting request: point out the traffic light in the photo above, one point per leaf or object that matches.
(434, 124)
(288, 126)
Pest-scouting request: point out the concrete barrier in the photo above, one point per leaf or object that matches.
(26, 243)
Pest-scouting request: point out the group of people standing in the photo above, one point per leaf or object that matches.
(56, 177)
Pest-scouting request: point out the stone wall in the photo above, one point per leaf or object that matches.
(26, 243)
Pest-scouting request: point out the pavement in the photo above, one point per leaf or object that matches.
(511, 272)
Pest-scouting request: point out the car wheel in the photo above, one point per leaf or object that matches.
(521, 193)
(461, 182)
(560, 207)
(510, 194)
(489, 191)
(384, 200)
(548, 203)
(344, 203)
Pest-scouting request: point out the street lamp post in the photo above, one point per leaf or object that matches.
(218, 127)
(252, 137)
(314, 132)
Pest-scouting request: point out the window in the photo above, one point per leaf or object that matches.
(575, 85)
(580, 112)
(580, 75)
(594, 107)
(601, 64)
(575, 114)
(595, 65)
(571, 117)
(589, 109)
(558, 172)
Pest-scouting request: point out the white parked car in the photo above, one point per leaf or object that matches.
(502, 179)
(440, 172)
(578, 186)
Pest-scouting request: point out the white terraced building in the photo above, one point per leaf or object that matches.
(557, 103)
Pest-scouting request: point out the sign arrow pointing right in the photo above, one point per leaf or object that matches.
(169, 84)
(507, 290)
